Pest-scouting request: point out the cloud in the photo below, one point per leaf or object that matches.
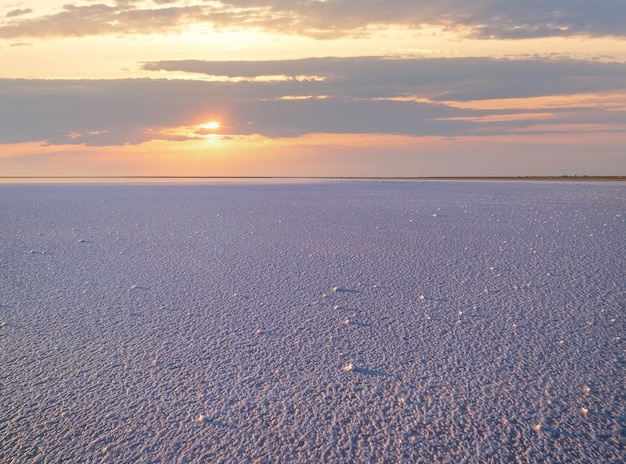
(485, 19)
(98, 19)
(119, 112)
(438, 79)
(18, 12)
(414, 97)
(509, 19)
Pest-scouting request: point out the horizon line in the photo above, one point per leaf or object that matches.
(528, 177)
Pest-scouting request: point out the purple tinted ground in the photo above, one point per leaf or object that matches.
(330, 322)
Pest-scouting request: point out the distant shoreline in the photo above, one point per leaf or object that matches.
(459, 178)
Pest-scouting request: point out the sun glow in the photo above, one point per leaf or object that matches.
(211, 125)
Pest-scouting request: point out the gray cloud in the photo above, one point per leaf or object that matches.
(486, 18)
(18, 12)
(434, 78)
(122, 112)
(358, 95)
(510, 19)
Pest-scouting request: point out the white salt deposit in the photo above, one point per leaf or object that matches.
(218, 355)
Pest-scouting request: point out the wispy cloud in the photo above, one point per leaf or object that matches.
(484, 19)
(415, 97)
(18, 12)
(98, 19)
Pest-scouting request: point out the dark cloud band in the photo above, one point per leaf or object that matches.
(355, 95)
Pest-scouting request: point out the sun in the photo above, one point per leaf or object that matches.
(211, 125)
(206, 130)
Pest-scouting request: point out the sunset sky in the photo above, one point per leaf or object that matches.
(313, 88)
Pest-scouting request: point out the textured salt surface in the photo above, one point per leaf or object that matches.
(346, 322)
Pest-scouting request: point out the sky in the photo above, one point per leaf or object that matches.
(313, 88)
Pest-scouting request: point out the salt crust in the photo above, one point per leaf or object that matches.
(334, 322)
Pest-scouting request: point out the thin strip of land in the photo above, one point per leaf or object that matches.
(517, 178)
